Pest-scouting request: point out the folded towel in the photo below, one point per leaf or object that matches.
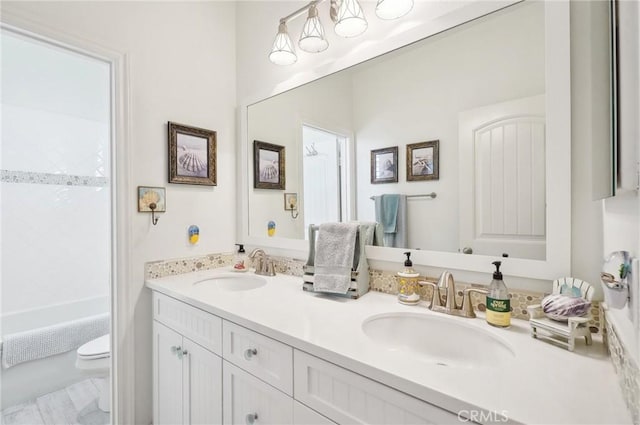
(387, 211)
(51, 340)
(334, 257)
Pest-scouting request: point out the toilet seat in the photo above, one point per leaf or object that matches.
(96, 349)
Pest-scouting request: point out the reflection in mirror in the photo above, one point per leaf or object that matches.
(477, 89)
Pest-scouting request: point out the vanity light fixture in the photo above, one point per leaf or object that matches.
(347, 16)
(282, 52)
(393, 9)
(312, 39)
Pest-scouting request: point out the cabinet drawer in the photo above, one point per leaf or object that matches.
(197, 325)
(248, 400)
(346, 397)
(266, 358)
(303, 415)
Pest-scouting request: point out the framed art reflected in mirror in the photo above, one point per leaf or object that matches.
(384, 165)
(268, 166)
(423, 162)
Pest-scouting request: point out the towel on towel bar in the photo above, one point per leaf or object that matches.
(51, 340)
(334, 257)
(391, 213)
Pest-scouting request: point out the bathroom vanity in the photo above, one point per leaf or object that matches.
(239, 348)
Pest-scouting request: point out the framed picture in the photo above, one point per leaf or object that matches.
(384, 165)
(290, 201)
(151, 199)
(423, 161)
(268, 166)
(192, 155)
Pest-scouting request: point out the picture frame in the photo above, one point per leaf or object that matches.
(290, 201)
(268, 166)
(192, 155)
(384, 165)
(148, 195)
(423, 161)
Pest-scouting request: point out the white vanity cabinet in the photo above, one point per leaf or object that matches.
(210, 370)
(187, 376)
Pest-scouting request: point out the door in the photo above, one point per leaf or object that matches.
(202, 385)
(502, 179)
(167, 376)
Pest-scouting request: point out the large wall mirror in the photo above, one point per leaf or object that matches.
(489, 97)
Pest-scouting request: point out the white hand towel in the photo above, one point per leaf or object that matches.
(334, 257)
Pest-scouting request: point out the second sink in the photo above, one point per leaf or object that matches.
(439, 340)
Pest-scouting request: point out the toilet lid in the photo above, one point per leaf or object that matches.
(96, 348)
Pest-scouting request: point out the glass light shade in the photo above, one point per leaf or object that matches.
(393, 9)
(312, 39)
(282, 52)
(350, 20)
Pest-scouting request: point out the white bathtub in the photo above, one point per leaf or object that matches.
(28, 380)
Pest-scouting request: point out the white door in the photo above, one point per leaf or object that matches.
(248, 400)
(502, 179)
(202, 385)
(167, 376)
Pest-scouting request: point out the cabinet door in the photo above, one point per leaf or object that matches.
(248, 400)
(303, 415)
(202, 385)
(167, 376)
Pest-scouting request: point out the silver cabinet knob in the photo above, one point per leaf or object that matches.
(251, 418)
(178, 351)
(249, 353)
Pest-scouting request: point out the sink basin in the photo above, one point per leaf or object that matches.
(440, 340)
(232, 282)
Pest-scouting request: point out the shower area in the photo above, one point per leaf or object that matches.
(55, 228)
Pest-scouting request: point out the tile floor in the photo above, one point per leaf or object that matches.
(76, 404)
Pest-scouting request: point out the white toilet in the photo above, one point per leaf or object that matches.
(94, 357)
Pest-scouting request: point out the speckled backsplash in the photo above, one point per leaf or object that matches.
(626, 369)
(379, 280)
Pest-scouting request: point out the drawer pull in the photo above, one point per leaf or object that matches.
(251, 417)
(249, 353)
(178, 351)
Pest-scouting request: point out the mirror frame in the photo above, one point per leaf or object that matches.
(558, 182)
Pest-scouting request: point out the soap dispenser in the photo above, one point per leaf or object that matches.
(408, 283)
(240, 260)
(498, 311)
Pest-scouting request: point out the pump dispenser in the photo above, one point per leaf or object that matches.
(408, 283)
(498, 304)
(240, 261)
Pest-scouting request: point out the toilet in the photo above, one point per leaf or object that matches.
(94, 358)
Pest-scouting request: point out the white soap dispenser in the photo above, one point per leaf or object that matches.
(240, 260)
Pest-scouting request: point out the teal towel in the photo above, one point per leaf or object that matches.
(387, 212)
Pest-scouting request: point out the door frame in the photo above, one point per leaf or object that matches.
(121, 307)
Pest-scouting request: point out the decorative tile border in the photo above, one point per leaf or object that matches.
(626, 369)
(30, 177)
(164, 268)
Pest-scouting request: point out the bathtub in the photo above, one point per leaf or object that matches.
(29, 380)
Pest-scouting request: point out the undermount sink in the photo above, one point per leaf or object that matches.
(440, 340)
(232, 282)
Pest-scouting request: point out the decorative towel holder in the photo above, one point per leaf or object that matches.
(360, 269)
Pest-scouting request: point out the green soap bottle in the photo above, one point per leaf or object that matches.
(498, 303)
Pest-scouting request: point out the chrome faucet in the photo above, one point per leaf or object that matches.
(450, 304)
(262, 263)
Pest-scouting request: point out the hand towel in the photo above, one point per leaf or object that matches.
(387, 211)
(334, 257)
(398, 237)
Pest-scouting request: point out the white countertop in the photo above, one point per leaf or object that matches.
(544, 384)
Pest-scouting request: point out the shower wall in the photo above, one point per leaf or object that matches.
(54, 161)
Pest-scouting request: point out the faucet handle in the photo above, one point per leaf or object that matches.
(435, 299)
(467, 306)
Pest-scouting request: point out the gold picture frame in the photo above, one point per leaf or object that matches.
(423, 161)
(268, 166)
(192, 155)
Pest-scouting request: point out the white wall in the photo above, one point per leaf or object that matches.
(416, 94)
(182, 67)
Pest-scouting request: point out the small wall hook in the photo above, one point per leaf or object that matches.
(297, 213)
(154, 219)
